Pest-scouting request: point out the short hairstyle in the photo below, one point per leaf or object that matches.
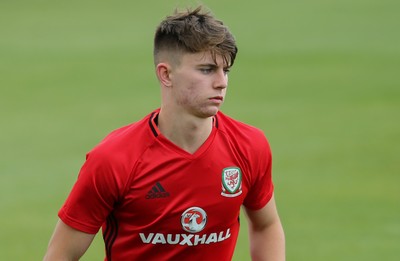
(192, 32)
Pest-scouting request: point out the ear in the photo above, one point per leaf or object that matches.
(163, 74)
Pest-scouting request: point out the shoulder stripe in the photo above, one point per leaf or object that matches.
(215, 121)
(152, 123)
(110, 234)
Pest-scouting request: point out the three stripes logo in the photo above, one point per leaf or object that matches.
(157, 191)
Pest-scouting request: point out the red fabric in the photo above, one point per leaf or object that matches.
(137, 185)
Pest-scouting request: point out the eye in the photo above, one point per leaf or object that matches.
(227, 70)
(206, 70)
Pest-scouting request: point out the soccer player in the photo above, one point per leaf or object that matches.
(171, 186)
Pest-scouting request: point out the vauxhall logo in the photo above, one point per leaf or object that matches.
(193, 220)
(184, 239)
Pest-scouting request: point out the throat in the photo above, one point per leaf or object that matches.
(187, 135)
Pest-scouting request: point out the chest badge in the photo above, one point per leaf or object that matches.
(194, 219)
(231, 182)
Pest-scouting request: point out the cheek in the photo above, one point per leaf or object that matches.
(185, 95)
(190, 90)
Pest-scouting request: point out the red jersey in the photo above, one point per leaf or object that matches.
(156, 201)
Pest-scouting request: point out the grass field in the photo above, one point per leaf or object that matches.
(321, 78)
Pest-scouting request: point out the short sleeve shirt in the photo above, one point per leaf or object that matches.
(155, 201)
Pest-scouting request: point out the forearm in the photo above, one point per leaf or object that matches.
(67, 244)
(59, 256)
(267, 243)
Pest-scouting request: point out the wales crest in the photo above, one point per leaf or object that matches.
(231, 182)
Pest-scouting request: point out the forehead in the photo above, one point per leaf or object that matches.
(202, 58)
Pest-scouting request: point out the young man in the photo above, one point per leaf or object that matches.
(170, 187)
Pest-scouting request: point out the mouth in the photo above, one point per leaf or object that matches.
(217, 98)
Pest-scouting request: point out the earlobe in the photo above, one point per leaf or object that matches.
(163, 74)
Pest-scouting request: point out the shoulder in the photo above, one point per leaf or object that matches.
(245, 134)
(125, 143)
(252, 149)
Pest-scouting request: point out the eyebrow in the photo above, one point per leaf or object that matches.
(212, 65)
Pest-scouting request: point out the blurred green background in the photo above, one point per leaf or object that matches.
(321, 78)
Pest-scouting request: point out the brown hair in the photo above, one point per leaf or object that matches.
(192, 32)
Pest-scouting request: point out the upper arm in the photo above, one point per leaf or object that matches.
(264, 217)
(67, 243)
(266, 235)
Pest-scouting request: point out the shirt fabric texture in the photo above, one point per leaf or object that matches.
(155, 201)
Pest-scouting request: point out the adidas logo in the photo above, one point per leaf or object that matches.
(157, 191)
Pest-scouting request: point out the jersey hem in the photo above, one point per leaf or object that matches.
(76, 224)
(261, 204)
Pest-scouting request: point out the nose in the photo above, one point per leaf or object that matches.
(221, 79)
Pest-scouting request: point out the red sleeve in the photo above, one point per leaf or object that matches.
(99, 186)
(262, 187)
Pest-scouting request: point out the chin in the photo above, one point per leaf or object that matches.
(206, 112)
(210, 113)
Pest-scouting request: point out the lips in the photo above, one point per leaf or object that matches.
(217, 98)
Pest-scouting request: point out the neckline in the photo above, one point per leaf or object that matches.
(172, 146)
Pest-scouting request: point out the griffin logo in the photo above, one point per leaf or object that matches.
(231, 182)
(193, 220)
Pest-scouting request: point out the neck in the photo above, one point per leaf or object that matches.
(186, 131)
